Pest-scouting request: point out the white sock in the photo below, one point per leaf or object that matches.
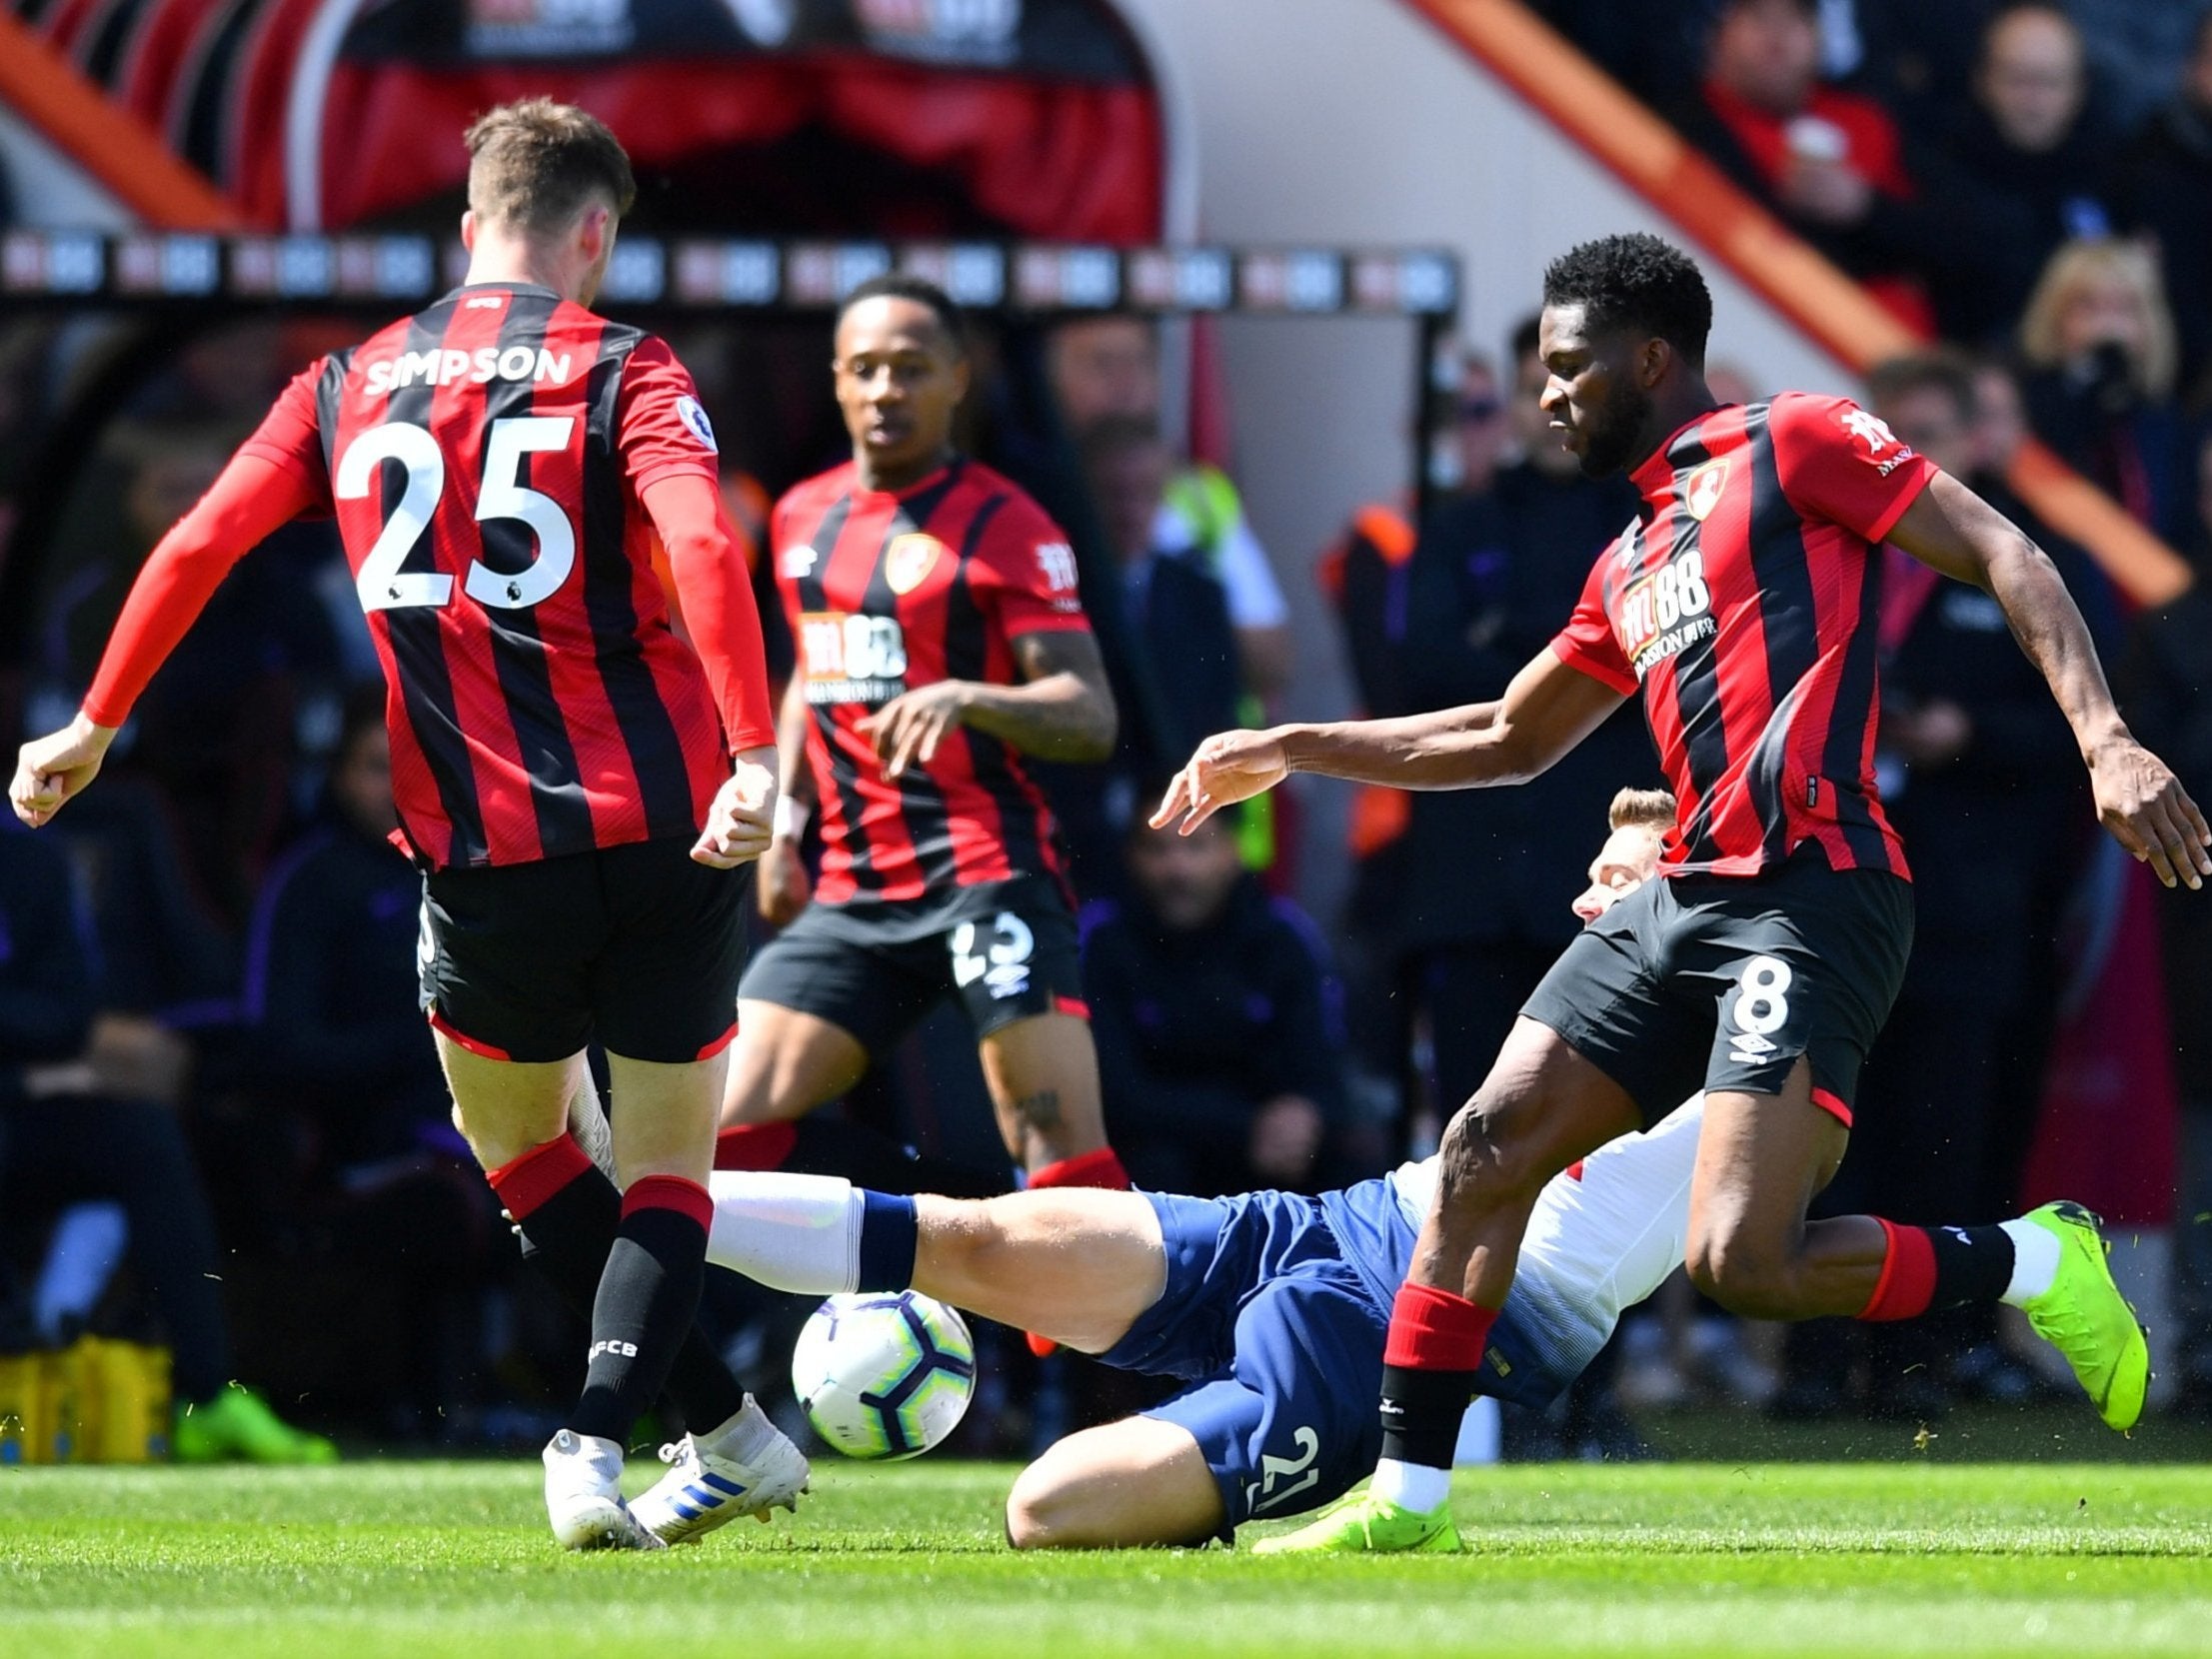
(2034, 1260)
(1412, 1486)
(744, 1436)
(789, 1232)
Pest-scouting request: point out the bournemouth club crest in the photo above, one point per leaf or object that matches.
(1702, 492)
(908, 559)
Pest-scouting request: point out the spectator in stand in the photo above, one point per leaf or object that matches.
(1175, 680)
(1490, 578)
(1477, 435)
(1366, 578)
(2097, 342)
(373, 1174)
(2166, 681)
(1828, 161)
(1109, 366)
(2163, 188)
(2021, 169)
(71, 1130)
(1215, 1020)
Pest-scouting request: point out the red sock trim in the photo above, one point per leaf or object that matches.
(1100, 1168)
(526, 1184)
(1830, 1102)
(669, 1192)
(755, 1145)
(1907, 1283)
(1433, 1330)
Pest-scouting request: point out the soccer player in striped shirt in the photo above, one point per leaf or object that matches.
(940, 639)
(577, 784)
(1743, 602)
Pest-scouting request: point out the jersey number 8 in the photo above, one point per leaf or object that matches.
(384, 586)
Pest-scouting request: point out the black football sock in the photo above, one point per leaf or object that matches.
(1972, 1264)
(1927, 1269)
(647, 1297)
(569, 1212)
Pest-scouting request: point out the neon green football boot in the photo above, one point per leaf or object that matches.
(238, 1423)
(2084, 1316)
(1364, 1524)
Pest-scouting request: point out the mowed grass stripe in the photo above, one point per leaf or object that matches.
(437, 1559)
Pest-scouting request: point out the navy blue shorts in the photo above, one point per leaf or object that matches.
(1276, 1308)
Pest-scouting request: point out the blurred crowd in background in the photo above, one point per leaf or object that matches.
(222, 1081)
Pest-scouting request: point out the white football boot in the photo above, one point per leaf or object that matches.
(584, 1495)
(747, 1467)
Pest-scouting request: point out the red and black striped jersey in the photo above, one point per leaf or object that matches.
(486, 460)
(1745, 599)
(887, 590)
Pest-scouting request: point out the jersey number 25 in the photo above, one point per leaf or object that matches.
(384, 586)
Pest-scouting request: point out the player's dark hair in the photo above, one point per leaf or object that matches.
(534, 164)
(1636, 282)
(901, 285)
(1642, 808)
(1943, 370)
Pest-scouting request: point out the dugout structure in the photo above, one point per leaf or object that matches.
(158, 292)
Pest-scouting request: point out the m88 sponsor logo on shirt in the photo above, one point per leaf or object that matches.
(853, 658)
(1665, 610)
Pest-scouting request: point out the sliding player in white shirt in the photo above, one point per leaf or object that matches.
(1273, 1305)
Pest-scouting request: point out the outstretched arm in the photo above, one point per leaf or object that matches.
(1547, 711)
(1061, 710)
(252, 499)
(1953, 531)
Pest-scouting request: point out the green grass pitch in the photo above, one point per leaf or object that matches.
(433, 1559)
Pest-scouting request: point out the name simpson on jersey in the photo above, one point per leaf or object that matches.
(485, 363)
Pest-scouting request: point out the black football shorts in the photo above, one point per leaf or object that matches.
(636, 948)
(1007, 949)
(1721, 983)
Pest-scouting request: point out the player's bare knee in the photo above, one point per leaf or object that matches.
(1042, 1510)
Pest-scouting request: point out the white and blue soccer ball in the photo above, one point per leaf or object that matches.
(883, 1374)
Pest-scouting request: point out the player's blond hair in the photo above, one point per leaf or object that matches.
(1641, 810)
(534, 165)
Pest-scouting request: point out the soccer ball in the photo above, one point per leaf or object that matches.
(884, 1376)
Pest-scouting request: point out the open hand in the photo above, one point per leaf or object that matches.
(2143, 805)
(1227, 768)
(906, 730)
(54, 770)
